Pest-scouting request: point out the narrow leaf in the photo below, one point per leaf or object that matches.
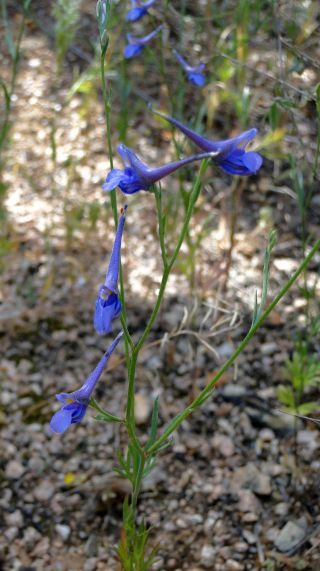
(154, 423)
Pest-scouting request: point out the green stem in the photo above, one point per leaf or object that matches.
(137, 485)
(107, 107)
(193, 198)
(130, 417)
(175, 423)
(161, 225)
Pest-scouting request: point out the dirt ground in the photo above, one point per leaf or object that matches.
(233, 492)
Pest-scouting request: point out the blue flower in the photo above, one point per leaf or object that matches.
(75, 404)
(136, 45)
(108, 305)
(230, 154)
(138, 10)
(138, 176)
(194, 74)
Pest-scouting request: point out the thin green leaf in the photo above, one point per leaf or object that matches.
(154, 423)
(258, 308)
(307, 407)
(6, 94)
(103, 414)
(286, 397)
(107, 417)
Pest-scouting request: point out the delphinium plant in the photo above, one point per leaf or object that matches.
(139, 457)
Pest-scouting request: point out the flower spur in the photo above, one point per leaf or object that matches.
(230, 154)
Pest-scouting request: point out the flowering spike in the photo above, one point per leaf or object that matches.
(194, 73)
(138, 10)
(230, 153)
(108, 305)
(75, 404)
(136, 175)
(136, 45)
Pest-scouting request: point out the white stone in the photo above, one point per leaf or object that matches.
(208, 555)
(63, 530)
(290, 536)
(14, 470)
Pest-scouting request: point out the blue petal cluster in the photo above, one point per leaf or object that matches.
(136, 175)
(136, 45)
(75, 404)
(108, 305)
(194, 74)
(138, 10)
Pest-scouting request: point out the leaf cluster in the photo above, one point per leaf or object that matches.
(302, 371)
(133, 543)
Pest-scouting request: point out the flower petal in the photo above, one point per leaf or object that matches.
(253, 161)
(241, 163)
(132, 50)
(113, 179)
(63, 397)
(135, 14)
(77, 409)
(197, 78)
(61, 421)
(105, 312)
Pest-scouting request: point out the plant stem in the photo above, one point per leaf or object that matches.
(137, 485)
(175, 423)
(107, 107)
(130, 418)
(161, 225)
(193, 198)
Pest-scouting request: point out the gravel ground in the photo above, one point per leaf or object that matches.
(235, 491)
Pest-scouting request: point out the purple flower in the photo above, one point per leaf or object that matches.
(230, 154)
(138, 176)
(108, 305)
(136, 45)
(194, 74)
(76, 403)
(138, 10)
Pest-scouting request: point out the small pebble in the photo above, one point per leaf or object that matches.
(14, 470)
(44, 491)
(249, 517)
(281, 508)
(15, 518)
(63, 531)
(290, 536)
(31, 536)
(232, 565)
(208, 555)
